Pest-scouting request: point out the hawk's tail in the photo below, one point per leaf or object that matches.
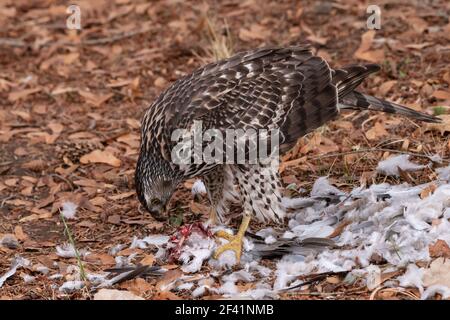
(348, 78)
(360, 101)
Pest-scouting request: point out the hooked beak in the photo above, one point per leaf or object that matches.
(159, 212)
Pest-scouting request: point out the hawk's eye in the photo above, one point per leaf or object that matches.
(155, 202)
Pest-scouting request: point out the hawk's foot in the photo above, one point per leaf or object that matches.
(224, 235)
(235, 243)
(212, 216)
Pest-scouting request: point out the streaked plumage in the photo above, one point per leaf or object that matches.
(286, 88)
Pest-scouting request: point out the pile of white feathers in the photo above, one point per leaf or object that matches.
(389, 223)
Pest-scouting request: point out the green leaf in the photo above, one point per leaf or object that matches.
(176, 220)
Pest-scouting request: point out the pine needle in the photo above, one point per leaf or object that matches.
(221, 45)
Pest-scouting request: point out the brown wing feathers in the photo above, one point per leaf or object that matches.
(265, 87)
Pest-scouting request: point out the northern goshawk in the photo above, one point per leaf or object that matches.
(288, 89)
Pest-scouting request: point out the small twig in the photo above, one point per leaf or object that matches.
(114, 38)
(6, 199)
(373, 150)
(63, 179)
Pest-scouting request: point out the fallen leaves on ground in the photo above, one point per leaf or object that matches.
(101, 156)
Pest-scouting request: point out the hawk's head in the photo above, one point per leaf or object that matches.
(155, 181)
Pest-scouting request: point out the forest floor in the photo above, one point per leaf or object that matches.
(71, 103)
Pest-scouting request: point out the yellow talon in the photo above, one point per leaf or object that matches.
(235, 243)
(224, 235)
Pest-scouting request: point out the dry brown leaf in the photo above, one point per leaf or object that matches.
(88, 183)
(45, 202)
(114, 219)
(95, 99)
(376, 132)
(130, 139)
(167, 280)
(20, 235)
(312, 143)
(366, 40)
(22, 114)
(333, 279)
(148, 260)
(245, 286)
(35, 165)
(320, 40)
(60, 90)
(170, 266)
(119, 83)
(446, 76)
(34, 217)
(372, 56)
(21, 94)
(114, 294)
(83, 135)
(338, 230)
(40, 109)
(133, 123)
(70, 57)
(138, 286)
(160, 82)
(256, 32)
(418, 46)
(442, 127)
(98, 201)
(103, 258)
(122, 195)
(199, 208)
(350, 158)
(56, 127)
(291, 163)
(386, 87)
(100, 156)
(417, 23)
(155, 225)
(342, 124)
(439, 249)
(327, 146)
(86, 224)
(364, 52)
(426, 192)
(65, 172)
(11, 182)
(27, 191)
(166, 295)
(437, 273)
(441, 94)
(19, 202)
(129, 251)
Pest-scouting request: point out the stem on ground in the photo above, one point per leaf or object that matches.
(77, 254)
